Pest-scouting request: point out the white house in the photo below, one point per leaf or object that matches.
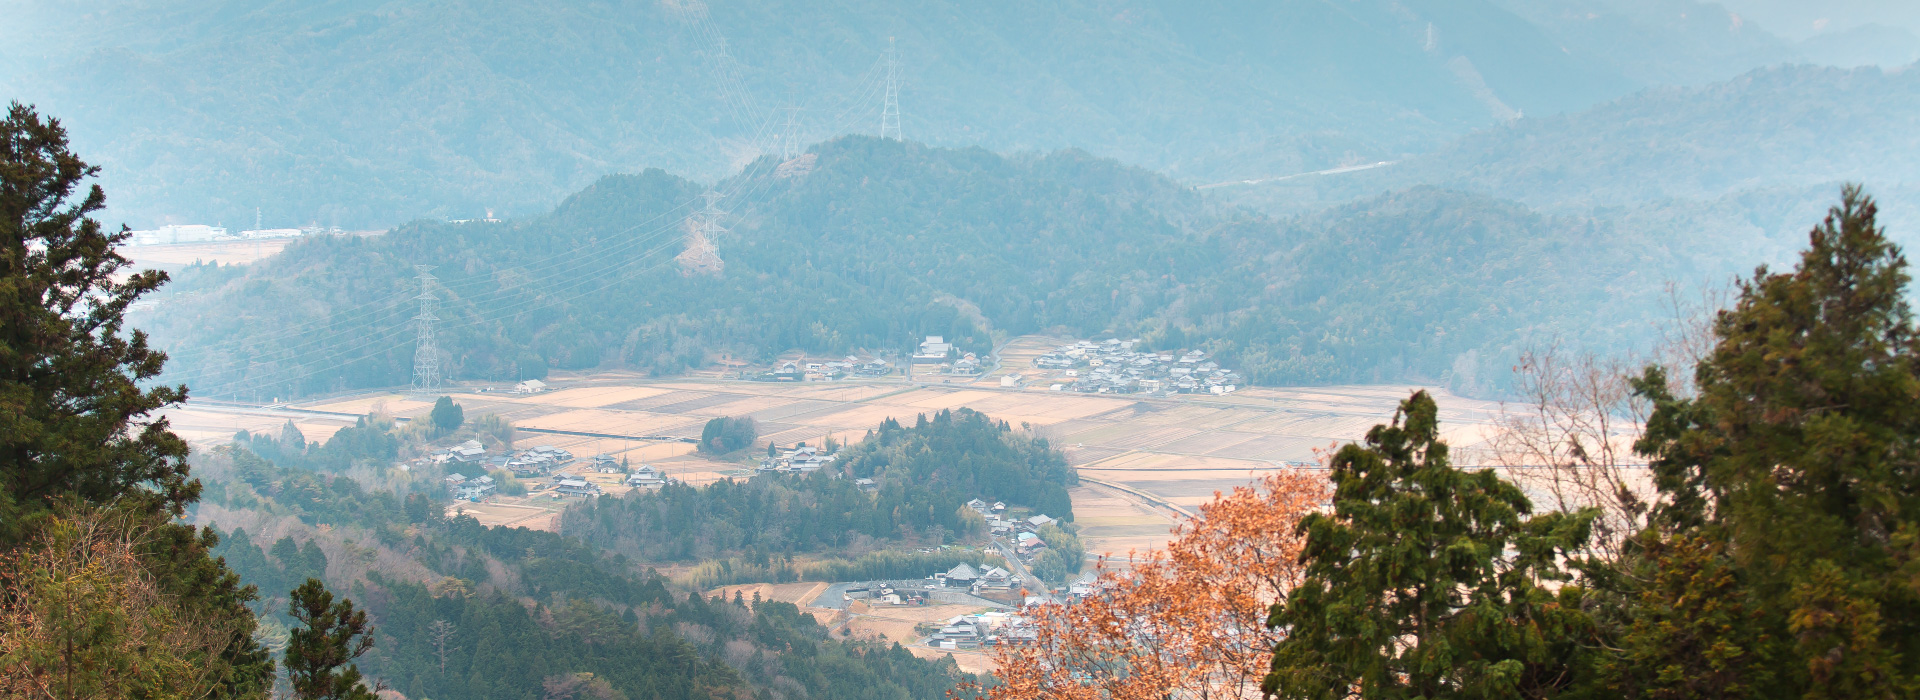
(647, 477)
(531, 386)
(933, 348)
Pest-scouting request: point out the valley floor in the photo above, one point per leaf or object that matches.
(1143, 462)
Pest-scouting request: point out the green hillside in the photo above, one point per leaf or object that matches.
(881, 242)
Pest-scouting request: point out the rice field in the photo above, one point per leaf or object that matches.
(1179, 450)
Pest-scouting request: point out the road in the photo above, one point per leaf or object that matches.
(1328, 171)
(1020, 569)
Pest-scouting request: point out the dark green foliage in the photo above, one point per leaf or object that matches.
(447, 416)
(1788, 481)
(924, 474)
(320, 652)
(76, 425)
(969, 455)
(367, 441)
(75, 420)
(1429, 581)
(498, 647)
(726, 434)
(1063, 557)
(884, 242)
(758, 567)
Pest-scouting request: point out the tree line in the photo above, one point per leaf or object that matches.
(1769, 553)
(924, 475)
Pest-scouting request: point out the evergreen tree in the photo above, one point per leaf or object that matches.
(1411, 590)
(74, 420)
(330, 637)
(1793, 478)
(76, 426)
(447, 416)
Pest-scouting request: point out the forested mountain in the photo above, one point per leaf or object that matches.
(476, 612)
(1788, 133)
(868, 244)
(366, 113)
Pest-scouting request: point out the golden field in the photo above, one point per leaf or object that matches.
(1145, 460)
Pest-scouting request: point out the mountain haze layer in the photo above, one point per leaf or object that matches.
(867, 244)
(363, 113)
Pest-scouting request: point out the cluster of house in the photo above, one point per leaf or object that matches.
(884, 593)
(935, 350)
(1113, 366)
(474, 489)
(803, 459)
(1022, 533)
(983, 630)
(805, 371)
(469, 452)
(538, 461)
(975, 580)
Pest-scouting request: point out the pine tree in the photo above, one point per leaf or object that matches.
(77, 430)
(1428, 581)
(1793, 472)
(74, 420)
(331, 635)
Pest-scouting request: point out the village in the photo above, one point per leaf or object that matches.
(1111, 366)
(543, 470)
(1115, 366)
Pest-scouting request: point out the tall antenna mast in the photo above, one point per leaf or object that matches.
(426, 357)
(890, 113)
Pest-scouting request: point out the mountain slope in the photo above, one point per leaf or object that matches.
(1795, 129)
(365, 112)
(878, 242)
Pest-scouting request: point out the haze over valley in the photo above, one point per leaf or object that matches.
(913, 350)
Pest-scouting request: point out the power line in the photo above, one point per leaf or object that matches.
(890, 110)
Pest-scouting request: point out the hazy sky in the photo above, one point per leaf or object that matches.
(1799, 19)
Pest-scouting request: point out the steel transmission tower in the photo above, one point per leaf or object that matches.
(790, 141)
(890, 112)
(710, 228)
(426, 357)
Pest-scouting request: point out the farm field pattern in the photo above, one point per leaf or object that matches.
(1143, 461)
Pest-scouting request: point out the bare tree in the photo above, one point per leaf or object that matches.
(1568, 437)
(441, 630)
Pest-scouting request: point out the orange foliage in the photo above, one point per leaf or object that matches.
(1188, 622)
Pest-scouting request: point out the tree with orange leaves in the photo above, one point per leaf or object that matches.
(1187, 622)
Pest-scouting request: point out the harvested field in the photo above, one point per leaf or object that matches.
(393, 404)
(1115, 523)
(1180, 449)
(801, 594)
(177, 255)
(508, 515)
(633, 423)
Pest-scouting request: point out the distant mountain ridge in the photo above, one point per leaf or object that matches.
(365, 113)
(883, 241)
(1770, 141)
